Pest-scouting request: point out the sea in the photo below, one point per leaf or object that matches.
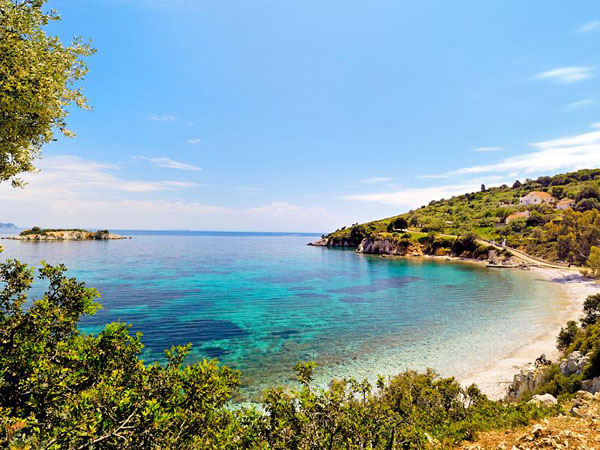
(261, 302)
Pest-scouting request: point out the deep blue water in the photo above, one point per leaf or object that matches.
(261, 302)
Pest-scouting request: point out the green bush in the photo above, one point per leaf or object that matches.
(566, 336)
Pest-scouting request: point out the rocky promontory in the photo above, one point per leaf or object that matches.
(37, 234)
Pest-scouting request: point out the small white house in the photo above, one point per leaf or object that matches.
(537, 198)
(566, 203)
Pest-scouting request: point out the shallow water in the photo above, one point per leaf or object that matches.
(260, 303)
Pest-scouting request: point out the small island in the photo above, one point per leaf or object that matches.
(39, 234)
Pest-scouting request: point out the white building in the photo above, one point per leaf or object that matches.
(537, 198)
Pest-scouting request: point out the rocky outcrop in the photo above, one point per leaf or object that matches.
(328, 242)
(574, 364)
(528, 379)
(592, 385)
(378, 246)
(66, 235)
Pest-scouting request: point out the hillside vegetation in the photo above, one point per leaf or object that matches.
(565, 235)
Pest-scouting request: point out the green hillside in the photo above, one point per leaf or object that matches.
(558, 235)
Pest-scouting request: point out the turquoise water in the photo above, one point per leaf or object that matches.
(260, 303)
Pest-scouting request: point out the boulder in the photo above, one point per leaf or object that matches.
(591, 386)
(574, 364)
(545, 400)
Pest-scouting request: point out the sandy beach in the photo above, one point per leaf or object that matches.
(493, 380)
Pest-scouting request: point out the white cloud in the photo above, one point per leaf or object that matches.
(488, 149)
(194, 141)
(591, 26)
(595, 125)
(168, 163)
(249, 190)
(375, 180)
(163, 118)
(567, 153)
(578, 105)
(567, 74)
(563, 154)
(415, 197)
(73, 192)
(276, 208)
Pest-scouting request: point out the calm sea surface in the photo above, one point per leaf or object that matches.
(262, 302)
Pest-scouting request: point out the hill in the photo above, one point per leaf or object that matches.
(556, 218)
(7, 226)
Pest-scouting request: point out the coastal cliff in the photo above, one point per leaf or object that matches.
(420, 244)
(65, 235)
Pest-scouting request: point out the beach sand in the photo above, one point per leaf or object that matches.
(494, 379)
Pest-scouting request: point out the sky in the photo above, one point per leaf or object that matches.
(270, 115)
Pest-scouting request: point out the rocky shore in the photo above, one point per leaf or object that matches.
(65, 235)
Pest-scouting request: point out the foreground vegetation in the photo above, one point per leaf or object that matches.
(60, 388)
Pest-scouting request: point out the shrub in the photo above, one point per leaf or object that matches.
(566, 336)
(591, 308)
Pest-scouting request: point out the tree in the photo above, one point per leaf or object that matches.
(60, 388)
(517, 184)
(483, 188)
(398, 224)
(587, 204)
(566, 336)
(38, 77)
(591, 308)
(558, 192)
(593, 261)
(588, 192)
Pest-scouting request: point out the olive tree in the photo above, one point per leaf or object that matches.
(38, 81)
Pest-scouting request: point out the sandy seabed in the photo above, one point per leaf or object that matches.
(494, 378)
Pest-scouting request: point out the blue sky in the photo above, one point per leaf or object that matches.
(306, 116)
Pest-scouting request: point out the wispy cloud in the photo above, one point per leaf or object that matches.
(64, 174)
(275, 208)
(194, 141)
(488, 149)
(414, 197)
(595, 125)
(567, 153)
(163, 118)
(576, 152)
(567, 75)
(168, 163)
(578, 105)
(591, 26)
(376, 180)
(249, 190)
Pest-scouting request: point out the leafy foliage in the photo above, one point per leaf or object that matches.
(566, 336)
(591, 308)
(593, 262)
(63, 389)
(38, 74)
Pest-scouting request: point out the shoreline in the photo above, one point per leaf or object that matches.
(493, 379)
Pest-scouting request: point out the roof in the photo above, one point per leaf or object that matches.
(517, 215)
(565, 201)
(540, 194)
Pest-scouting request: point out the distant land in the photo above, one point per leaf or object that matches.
(39, 234)
(7, 226)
